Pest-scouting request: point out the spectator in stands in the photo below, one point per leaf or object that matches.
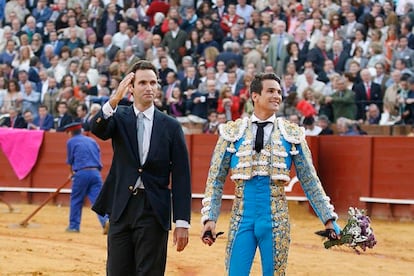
(390, 96)
(110, 19)
(191, 79)
(45, 120)
(14, 120)
(339, 56)
(373, 115)
(12, 98)
(366, 93)
(171, 83)
(9, 53)
(408, 102)
(229, 104)
(229, 55)
(42, 12)
(324, 124)
(318, 55)
(381, 77)
(121, 38)
(350, 28)
(309, 81)
(175, 40)
(157, 6)
(30, 99)
(311, 128)
(207, 41)
(29, 120)
(82, 116)
(189, 20)
(327, 72)
(346, 127)
(229, 19)
(209, 23)
(277, 50)
(406, 31)
(63, 118)
(211, 126)
(22, 60)
(110, 49)
(403, 52)
(376, 54)
(342, 101)
(354, 73)
(50, 97)
(176, 103)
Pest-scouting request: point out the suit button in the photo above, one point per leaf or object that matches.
(131, 188)
(140, 170)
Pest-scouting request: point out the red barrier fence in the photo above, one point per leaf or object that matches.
(371, 172)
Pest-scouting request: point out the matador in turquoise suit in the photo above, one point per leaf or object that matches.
(259, 152)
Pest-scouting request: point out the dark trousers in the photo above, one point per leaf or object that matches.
(137, 244)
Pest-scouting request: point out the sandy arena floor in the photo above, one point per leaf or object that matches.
(43, 248)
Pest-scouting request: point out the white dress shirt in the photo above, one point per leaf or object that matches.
(267, 130)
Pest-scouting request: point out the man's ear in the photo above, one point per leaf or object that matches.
(254, 96)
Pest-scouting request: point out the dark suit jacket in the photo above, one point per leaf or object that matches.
(111, 53)
(18, 123)
(226, 56)
(340, 63)
(184, 84)
(316, 56)
(67, 119)
(167, 157)
(361, 98)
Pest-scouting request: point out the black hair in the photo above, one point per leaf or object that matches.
(257, 82)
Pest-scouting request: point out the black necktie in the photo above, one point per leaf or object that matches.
(258, 144)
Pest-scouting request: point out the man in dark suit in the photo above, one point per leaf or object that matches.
(14, 120)
(148, 152)
(110, 48)
(339, 56)
(190, 80)
(366, 93)
(318, 55)
(63, 117)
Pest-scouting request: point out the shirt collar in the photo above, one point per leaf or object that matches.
(148, 113)
(271, 119)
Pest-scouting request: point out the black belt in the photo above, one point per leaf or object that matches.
(88, 168)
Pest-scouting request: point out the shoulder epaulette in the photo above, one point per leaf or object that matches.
(233, 130)
(290, 131)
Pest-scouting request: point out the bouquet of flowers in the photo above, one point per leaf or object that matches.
(357, 233)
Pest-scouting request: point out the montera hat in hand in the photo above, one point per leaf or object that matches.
(73, 126)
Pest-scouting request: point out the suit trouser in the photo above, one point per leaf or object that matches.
(85, 183)
(259, 228)
(137, 244)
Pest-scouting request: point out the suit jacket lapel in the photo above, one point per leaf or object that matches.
(131, 128)
(157, 128)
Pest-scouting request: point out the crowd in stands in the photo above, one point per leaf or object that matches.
(349, 62)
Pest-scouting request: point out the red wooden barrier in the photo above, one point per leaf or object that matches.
(344, 169)
(392, 174)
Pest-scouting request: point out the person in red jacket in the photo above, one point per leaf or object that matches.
(228, 104)
(157, 6)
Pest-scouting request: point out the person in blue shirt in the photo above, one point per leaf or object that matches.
(83, 157)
